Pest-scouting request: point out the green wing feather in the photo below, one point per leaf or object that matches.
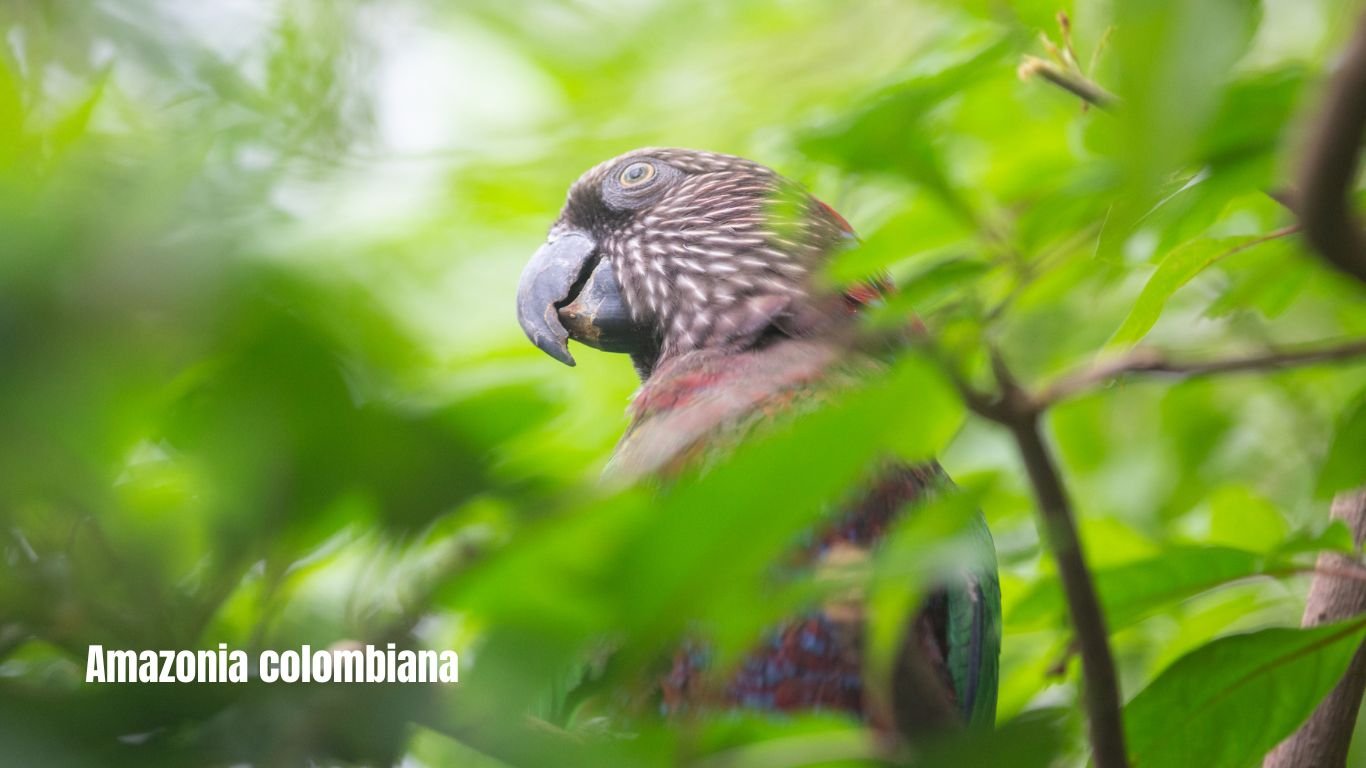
(974, 631)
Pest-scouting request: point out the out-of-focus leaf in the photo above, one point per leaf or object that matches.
(1174, 271)
(73, 126)
(1337, 537)
(892, 134)
(1031, 740)
(941, 538)
(1241, 519)
(12, 114)
(844, 748)
(1173, 58)
(1131, 591)
(1345, 465)
(925, 225)
(1228, 703)
(1250, 123)
(928, 289)
(671, 571)
(1264, 280)
(932, 289)
(1038, 15)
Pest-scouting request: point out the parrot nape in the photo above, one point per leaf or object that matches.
(678, 258)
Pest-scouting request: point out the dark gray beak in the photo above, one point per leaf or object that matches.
(568, 291)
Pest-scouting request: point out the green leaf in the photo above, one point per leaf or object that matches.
(1178, 268)
(1345, 466)
(1226, 704)
(1131, 591)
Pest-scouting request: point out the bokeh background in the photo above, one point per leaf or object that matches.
(261, 380)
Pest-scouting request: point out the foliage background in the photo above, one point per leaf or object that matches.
(262, 383)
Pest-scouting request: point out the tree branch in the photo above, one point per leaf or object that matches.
(1020, 414)
(1152, 361)
(1065, 71)
(1330, 164)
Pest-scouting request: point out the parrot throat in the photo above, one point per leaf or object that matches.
(646, 359)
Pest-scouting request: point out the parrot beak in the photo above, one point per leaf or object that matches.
(568, 291)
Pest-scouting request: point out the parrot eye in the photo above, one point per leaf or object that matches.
(636, 174)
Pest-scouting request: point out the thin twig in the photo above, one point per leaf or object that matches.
(1151, 361)
(1076, 83)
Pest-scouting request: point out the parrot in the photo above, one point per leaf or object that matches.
(707, 269)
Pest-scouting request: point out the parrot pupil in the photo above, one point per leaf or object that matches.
(636, 173)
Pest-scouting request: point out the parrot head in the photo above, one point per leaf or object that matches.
(660, 252)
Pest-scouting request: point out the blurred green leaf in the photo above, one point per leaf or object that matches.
(1173, 59)
(1242, 519)
(1252, 118)
(1345, 465)
(1032, 740)
(1265, 280)
(923, 226)
(1175, 270)
(894, 134)
(1131, 591)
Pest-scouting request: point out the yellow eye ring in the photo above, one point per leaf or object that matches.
(636, 174)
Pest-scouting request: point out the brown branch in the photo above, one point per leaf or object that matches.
(1325, 737)
(1330, 163)
(1088, 622)
(1151, 361)
(1018, 413)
